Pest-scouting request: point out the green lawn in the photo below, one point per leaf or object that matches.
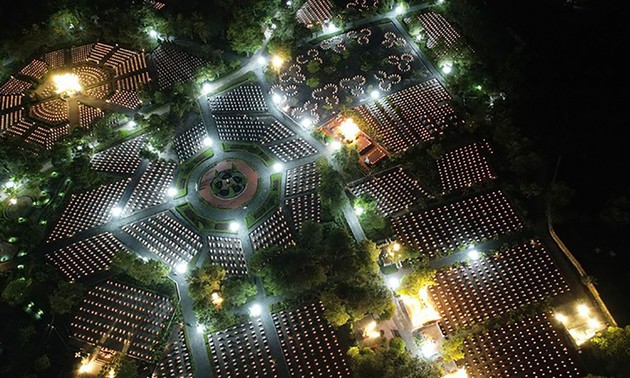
(271, 202)
(253, 149)
(201, 223)
(186, 168)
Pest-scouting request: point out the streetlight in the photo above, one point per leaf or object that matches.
(261, 60)
(393, 282)
(375, 94)
(207, 141)
(330, 27)
(561, 318)
(447, 68)
(181, 268)
(594, 323)
(277, 61)
(201, 328)
(153, 33)
(277, 167)
(583, 310)
(116, 211)
(307, 122)
(473, 254)
(9, 184)
(171, 192)
(206, 88)
(399, 9)
(234, 226)
(358, 210)
(335, 145)
(86, 366)
(255, 310)
(277, 99)
(428, 349)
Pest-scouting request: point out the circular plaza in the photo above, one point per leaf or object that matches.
(230, 184)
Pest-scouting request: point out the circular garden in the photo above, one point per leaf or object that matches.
(228, 184)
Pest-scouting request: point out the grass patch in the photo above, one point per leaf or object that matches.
(253, 149)
(250, 77)
(123, 135)
(271, 202)
(201, 223)
(181, 184)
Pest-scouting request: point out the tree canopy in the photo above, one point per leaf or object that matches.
(16, 291)
(205, 280)
(392, 362)
(421, 276)
(150, 272)
(329, 189)
(237, 291)
(64, 297)
(612, 348)
(328, 263)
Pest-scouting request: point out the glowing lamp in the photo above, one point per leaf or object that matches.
(428, 349)
(206, 88)
(277, 61)
(473, 254)
(561, 318)
(349, 129)
(307, 122)
(67, 83)
(393, 282)
(330, 28)
(370, 331)
(234, 226)
(583, 310)
(255, 310)
(447, 68)
(116, 211)
(216, 299)
(181, 268)
(594, 323)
